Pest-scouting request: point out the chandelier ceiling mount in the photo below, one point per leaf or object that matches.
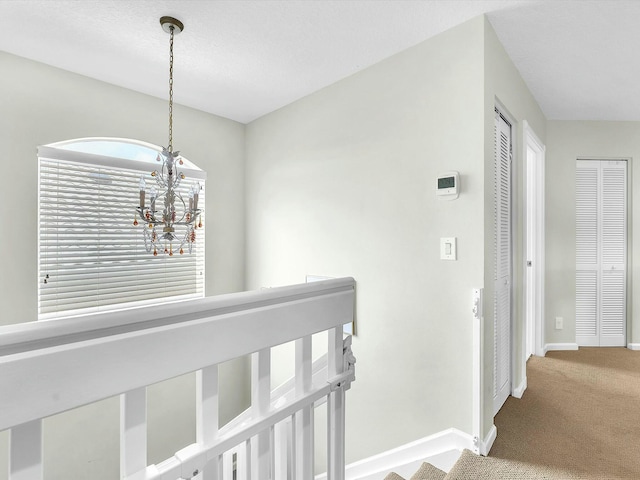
(169, 22)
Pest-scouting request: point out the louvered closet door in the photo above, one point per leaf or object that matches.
(601, 246)
(502, 277)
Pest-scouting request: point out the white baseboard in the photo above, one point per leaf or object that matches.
(560, 346)
(414, 452)
(633, 346)
(519, 390)
(487, 442)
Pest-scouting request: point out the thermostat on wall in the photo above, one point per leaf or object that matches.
(448, 185)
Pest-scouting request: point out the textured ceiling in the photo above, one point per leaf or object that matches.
(243, 59)
(579, 57)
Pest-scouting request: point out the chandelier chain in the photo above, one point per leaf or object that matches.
(171, 90)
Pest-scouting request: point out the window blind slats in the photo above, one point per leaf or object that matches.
(77, 308)
(88, 292)
(92, 256)
(84, 255)
(105, 268)
(115, 284)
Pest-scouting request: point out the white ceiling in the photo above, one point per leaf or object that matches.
(243, 59)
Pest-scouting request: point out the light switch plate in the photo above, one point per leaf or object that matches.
(448, 248)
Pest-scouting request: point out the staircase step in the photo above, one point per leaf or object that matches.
(473, 467)
(428, 472)
(393, 476)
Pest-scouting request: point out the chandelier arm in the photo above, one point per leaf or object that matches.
(148, 240)
(179, 178)
(192, 220)
(143, 215)
(185, 210)
(184, 239)
(160, 177)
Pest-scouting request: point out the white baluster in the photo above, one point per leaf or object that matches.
(243, 461)
(284, 462)
(25, 451)
(133, 431)
(280, 451)
(260, 404)
(227, 465)
(335, 408)
(207, 416)
(291, 447)
(304, 418)
(272, 452)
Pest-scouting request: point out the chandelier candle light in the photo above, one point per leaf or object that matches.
(167, 180)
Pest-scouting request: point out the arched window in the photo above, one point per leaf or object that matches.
(91, 256)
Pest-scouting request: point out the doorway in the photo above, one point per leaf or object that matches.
(601, 252)
(534, 157)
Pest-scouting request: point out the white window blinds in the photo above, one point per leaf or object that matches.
(91, 256)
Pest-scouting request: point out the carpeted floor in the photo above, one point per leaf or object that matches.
(579, 414)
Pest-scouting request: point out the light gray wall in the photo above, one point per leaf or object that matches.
(41, 105)
(566, 142)
(504, 86)
(342, 183)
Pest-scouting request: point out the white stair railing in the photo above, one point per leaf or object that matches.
(54, 366)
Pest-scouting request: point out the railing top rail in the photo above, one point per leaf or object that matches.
(29, 336)
(52, 366)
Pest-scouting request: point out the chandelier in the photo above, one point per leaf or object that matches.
(173, 214)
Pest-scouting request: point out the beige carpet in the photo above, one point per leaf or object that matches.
(428, 472)
(474, 467)
(580, 414)
(425, 472)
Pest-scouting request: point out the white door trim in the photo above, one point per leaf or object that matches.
(535, 237)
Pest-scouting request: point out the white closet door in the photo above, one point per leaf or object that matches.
(614, 249)
(587, 265)
(502, 278)
(601, 246)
